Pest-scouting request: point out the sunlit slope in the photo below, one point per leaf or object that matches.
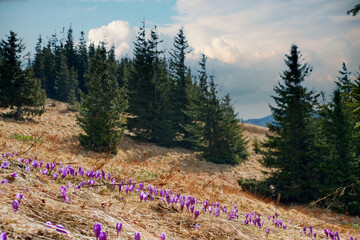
(179, 170)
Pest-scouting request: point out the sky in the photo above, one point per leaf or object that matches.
(245, 40)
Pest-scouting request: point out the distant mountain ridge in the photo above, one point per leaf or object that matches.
(260, 121)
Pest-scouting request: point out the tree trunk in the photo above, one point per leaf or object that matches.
(18, 112)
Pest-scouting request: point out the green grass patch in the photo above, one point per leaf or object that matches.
(147, 175)
(24, 138)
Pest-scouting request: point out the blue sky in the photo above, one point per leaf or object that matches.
(245, 40)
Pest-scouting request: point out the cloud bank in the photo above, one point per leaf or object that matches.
(246, 42)
(118, 33)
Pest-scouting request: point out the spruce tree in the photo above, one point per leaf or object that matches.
(141, 89)
(38, 65)
(290, 147)
(182, 82)
(49, 70)
(70, 52)
(62, 79)
(342, 162)
(196, 110)
(232, 147)
(102, 108)
(354, 99)
(19, 88)
(82, 61)
(213, 127)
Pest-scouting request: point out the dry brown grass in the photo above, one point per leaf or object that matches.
(178, 169)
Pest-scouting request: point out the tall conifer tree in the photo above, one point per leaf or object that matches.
(82, 61)
(213, 127)
(19, 88)
(141, 89)
(102, 109)
(182, 81)
(290, 148)
(342, 143)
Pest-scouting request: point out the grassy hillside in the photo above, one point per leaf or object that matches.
(179, 170)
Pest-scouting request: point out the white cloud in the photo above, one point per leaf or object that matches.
(117, 33)
(246, 40)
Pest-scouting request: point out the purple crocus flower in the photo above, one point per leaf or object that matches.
(102, 236)
(217, 212)
(48, 224)
(162, 236)
(60, 228)
(197, 213)
(15, 205)
(182, 204)
(141, 186)
(267, 232)
(14, 175)
(192, 208)
(19, 196)
(55, 176)
(97, 230)
(137, 236)
(326, 233)
(315, 235)
(145, 197)
(63, 192)
(5, 164)
(45, 171)
(3, 236)
(118, 228)
(27, 169)
(4, 181)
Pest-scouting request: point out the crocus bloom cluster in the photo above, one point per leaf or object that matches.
(90, 177)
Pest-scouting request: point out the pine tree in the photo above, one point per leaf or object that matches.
(49, 70)
(354, 99)
(181, 79)
(213, 127)
(66, 84)
(196, 110)
(70, 52)
(141, 89)
(82, 61)
(102, 109)
(38, 65)
(341, 141)
(18, 87)
(62, 79)
(290, 148)
(233, 143)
